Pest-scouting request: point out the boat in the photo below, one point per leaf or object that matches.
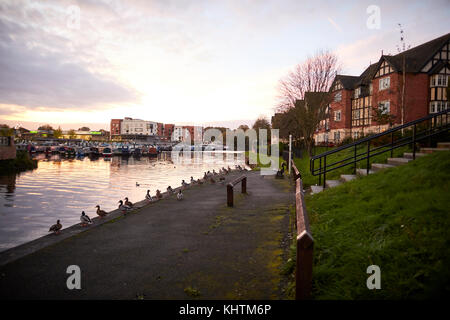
(70, 151)
(93, 152)
(61, 150)
(107, 152)
(136, 152)
(80, 152)
(117, 151)
(152, 152)
(125, 151)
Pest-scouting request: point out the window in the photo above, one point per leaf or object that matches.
(438, 106)
(439, 80)
(370, 89)
(357, 92)
(338, 96)
(337, 115)
(357, 114)
(385, 83)
(384, 106)
(337, 136)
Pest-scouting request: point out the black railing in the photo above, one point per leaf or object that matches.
(422, 129)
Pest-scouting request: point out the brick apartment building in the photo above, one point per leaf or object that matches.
(425, 71)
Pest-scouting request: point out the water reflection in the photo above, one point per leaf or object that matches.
(61, 188)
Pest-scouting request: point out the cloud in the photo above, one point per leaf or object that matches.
(37, 71)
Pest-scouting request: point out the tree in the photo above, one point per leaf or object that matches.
(84, 129)
(304, 98)
(381, 117)
(46, 127)
(243, 127)
(57, 133)
(316, 74)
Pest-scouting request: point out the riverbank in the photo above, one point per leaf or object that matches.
(168, 249)
(22, 162)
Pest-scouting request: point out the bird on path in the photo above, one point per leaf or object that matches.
(128, 203)
(148, 196)
(169, 190)
(180, 195)
(100, 212)
(85, 220)
(55, 228)
(159, 194)
(124, 208)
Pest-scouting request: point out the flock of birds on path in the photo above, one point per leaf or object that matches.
(127, 206)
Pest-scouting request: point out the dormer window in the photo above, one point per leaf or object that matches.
(338, 96)
(385, 83)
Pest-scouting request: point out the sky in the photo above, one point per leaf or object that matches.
(75, 63)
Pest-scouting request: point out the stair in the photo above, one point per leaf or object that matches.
(409, 155)
(391, 163)
(398, 161)
(332, 183)
(431, 150)
(316, 189)
(445, 145)
(348, 177)
(380, 166)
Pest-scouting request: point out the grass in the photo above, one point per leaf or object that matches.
(308, 179)
(22, 162)
(397, 219)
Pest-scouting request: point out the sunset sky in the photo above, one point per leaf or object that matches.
(183, 62)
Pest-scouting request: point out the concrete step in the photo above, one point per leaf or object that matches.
(381, 166)
(332, 183)
(316, 189)
(348, 177)
(409, 155)
(431, 150)
(398, 161)
(445, 145)
(363, 172)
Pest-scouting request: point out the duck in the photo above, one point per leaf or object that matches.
(169, 190)
(85, 220)
(123, 207)
(128, 203)
(199, 181)
(192, 180)
(184, 184)
(137, 184)
(159, 194)
(221, 178)
(212, 180)
(179, 195)
(100, 212)
(148, 196)
(214, 172)
(229, 169)
(205, 176)
(55, 228)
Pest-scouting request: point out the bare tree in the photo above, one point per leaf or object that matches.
(304, 98)
(316, 74)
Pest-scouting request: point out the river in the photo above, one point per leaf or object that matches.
(30, 202)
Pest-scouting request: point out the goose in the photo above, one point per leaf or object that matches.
(159, 194)
(101, 213)
(169, 190)
(85, 220)
(179, 196)
(55, 228)
(128, 203)
(148, 196)
(123, 207)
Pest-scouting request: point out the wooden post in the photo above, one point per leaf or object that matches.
(303, 275)
(230, 195)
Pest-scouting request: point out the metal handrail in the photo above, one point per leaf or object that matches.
(305, 242)
(433, 128)
(230, 187)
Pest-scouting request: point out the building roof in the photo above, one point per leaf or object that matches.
(348, 82)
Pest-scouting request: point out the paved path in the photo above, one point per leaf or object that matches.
(166, 247)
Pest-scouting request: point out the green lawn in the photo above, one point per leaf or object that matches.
(397, 219)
